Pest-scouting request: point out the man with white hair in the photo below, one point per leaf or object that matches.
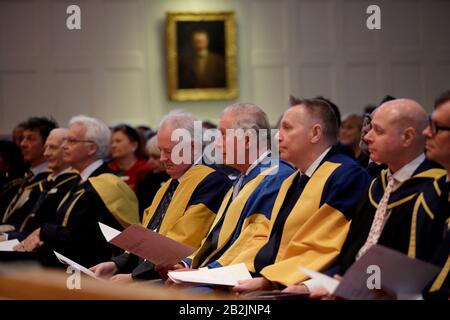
(242, 223)
(52, 189)
(184, 207)
(98, 196)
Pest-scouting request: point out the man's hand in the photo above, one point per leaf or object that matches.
(2, 237)
(122, 278)
(324, 294)
(255, 284)
(297, 288)
(105, 269)
(164, 269)
(31, 243)
(178, 268)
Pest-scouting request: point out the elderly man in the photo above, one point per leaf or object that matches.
(98, 196)
(36, 131)
(437, 144)
(183, 208)
(242, 223)
(52, 189)
(395, 212)
(312, 212)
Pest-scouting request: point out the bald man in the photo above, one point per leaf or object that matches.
(52, 189)
(397, 211)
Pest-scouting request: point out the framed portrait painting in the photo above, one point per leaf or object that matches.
(201, 56)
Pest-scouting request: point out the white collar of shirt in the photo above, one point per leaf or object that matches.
(309, 172)
(448, 178)
(261, 158)
(90, 169)
(53, 177)
(39, 168)
(407, 170)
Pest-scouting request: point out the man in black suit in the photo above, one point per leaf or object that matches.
(99, 196)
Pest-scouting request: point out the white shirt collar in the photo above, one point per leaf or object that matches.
(53, 177)
(39, 168)
(309, 172)
(407, 170)
(198, 161)
(85, 174)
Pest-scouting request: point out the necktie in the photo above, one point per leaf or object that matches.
(268, 253)
(68, 199)
(160, 212)
(47, 184)
(211, 241)
(379, 219)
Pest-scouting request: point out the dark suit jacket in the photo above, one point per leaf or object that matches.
(81, 239)
(213, 76)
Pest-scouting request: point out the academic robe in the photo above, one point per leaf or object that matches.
(74, 231)
(242, 224)
(189, 215)
(414, 226)
(439, 288)
(44, 208)
(315, 229)
(23, 202)
(147, 189)
(8, 190)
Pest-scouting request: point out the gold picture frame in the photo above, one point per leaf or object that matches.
(201, 56)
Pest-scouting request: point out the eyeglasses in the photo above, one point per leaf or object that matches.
(73, 141)
(367, 123)
(435, 128)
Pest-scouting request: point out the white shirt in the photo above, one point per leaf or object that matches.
(86, 173)
(238, 185)
(39, 168)
(401, 175)
(309, 172)
(407, 170)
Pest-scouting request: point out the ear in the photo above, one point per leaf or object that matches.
(409, 135)
(135, 146)
(316, 133)
(92, 149)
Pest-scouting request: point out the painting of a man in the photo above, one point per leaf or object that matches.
(198, 65)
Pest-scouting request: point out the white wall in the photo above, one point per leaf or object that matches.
(114, 67)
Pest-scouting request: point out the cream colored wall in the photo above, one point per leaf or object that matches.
(114, 67)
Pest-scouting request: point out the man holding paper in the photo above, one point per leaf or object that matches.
(184, 207)
(242, 224)
(97, 196)
(312, 212)
(399, 210)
